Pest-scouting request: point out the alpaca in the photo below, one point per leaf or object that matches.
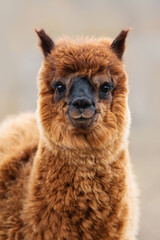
(65, 172)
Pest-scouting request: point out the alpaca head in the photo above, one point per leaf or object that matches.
(83, 92)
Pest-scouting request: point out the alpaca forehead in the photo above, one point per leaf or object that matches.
(84, 51)
(88, 57)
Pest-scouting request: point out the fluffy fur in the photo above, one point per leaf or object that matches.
(60, 182)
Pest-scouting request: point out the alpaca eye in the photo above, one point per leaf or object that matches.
(60, 88)
(105, 88)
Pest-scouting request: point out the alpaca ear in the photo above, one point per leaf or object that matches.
(46, 42)
(118, 45)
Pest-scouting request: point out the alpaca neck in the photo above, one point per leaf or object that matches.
(60, 179)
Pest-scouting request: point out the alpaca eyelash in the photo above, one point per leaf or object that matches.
(112, 84)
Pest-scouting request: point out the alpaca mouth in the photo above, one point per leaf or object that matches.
(81, 121)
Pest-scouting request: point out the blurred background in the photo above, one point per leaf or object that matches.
(20, 60)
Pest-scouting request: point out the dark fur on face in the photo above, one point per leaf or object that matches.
(82, 109)
(82, 97)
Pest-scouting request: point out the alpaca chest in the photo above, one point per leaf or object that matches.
(83, 204)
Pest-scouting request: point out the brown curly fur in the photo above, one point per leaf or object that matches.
(57, 181)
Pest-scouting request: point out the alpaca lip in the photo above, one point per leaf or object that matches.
(82, 119)
(81, 122)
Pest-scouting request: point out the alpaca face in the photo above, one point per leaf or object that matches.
(82, 96)
(83, 92)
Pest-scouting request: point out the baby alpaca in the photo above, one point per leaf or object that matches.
(66, 174)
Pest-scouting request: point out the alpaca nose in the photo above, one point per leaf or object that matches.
(81, 102)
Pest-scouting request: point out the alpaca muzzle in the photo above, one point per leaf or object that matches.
(82, 109)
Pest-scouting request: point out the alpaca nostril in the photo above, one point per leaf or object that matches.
(81, 102)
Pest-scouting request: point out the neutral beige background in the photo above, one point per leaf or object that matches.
(20, 60)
